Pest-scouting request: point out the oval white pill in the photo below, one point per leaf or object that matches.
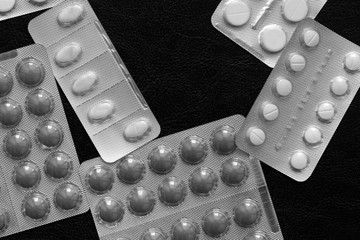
(70, 15)
(237, 13)
(7, 5)
(310, 38)
(339, 86)
(326, 111)
(255, 136)
(282, 87)
(137, 130)
(313, 136)
(296, 62)
(299, 160)
(101, 111)
(294, 10)
(352, 61)
(68, 55)
(85, 83)
(272, 38)
(269, 111)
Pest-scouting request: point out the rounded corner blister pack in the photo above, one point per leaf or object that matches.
(95, 79)
(263, 27)
(195, 184)
(303, 101)
(39, 178)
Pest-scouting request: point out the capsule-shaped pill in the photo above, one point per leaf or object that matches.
(71, 15)
(68, 55)
(85, 83)
(101, 111)
(137, 130)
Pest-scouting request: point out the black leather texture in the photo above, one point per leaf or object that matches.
(191, 74)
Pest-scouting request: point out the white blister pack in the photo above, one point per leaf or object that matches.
(38, 157)
(195, 184)
(263, 27)
(95, 80)
(303, 101)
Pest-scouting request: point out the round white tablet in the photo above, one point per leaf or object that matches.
(339, 86)
(310, 37)
(269, 111)
(296, 62)
(237, 13)
(326, 111)
(299, 160)
(7, 5)
(282, 87)
(272, 38)
(313, 136)
(255, 136)
(352, 61)
(294, 10)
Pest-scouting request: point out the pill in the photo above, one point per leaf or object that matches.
(68, 55)
(247, 213)
(326, 111)
(203, 181)
(6, 82)
(130, 169)
(185, 229)
(162, 160)
(339, 86)
(222, 140)
(38, 2)
(137, 130)
(99, 179)
(7, 5)
(299, 160)
(49, 135)
(310, 37)
(4, 220)
(154, 234)
(101, 112)
(140, 201)
(85, 83)
(272, 38)
(282, 87)
(269, 111)
(17, 144)
(35, 206)
(294, 10)
(352, 61)
(30, 72)
(39, 103)
(257, 235)
(67, 197)
(58, 166)
(313, 136)
(10, 113)
(295, 62)
(255, 136)
(26, 175)
(109, 211)
(71, 15)
(216, 223)
(234, 172)
(237, 13)
(193, 150)
(172, 191)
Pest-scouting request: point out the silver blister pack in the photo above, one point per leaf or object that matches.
(195, 184)
(39, 160)
(303, 101)
(263, 27)
(95, 80)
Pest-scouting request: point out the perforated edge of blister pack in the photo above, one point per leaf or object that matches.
(308, 116)
(257, 18)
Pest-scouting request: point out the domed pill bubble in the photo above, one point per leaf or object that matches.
(140, 201)
(162, 160)
(216, 223)
(26, 175)
(294, 10)
(339, 86)
(130, 169)
(326, 111)
(272, 38)
(222, 140)
(257, 235)
(352, 62)
(255, 136)
(109, 211)
(137, 130)
(299, 160)
(30, 72)
(172, 191)
(6, 82)
(67, 197)
(85, 83)
(101, 112)
(38, 2)
(310, 38)
(6, 6)
(154, 234)
(282, 87)
(203, 181)
(237, 13)
(269, 111)
(185, 229)
(58, 166)
(49, 135)
(295, 62)
(39, 103)
(247, 213)
(35, 206)
(17, 144)
(4, 220)
(10, 113)
(193, 150)
(313, 136)
(234, 172)
(99, 179)
(71, 15)
(68, 55)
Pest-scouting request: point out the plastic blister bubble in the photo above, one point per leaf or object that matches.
(67, 197)
(30, 72)
(36, 207)
(39, 103)
(58, 166)
(216, 223)
(193, 150)
(109, 211)
(26, 175)
(99, 179)
(17, 144)
(49, 135)
(10, 113)
(162, 160)
(172, 191)
(130, 169)
(141, 201)
(185, 229)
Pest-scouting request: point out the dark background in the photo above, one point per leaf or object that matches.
(191, 74)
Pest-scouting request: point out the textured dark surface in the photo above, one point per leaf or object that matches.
(191, 74)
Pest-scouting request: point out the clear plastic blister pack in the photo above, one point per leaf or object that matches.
(195, 184)
(303, 101)
(15, 8)
(95, 79)
(263, 27)
(39, 160)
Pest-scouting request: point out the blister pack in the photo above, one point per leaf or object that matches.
(15, 8)
(38, 155)
(303, 101)
(195, 184)
(95, 79)
(263, 27)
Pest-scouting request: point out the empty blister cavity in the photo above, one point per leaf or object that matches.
(185, 229)
(67, 197)
(352, 62)
(339, 86)
(39, 103)
(4, 220)
(216, 223)
(162, 160)
(326, 111)
(282, 87)
(310, 38)
(141, 201)
(272, 38)
(26, 175)
(269, 111)
(203, 181)
(222, 140)
(71, 15)
(257, 235)
(137, 130)
(313, 136)
(99, 179)
(10, 113)
(68, 55)
(30, 72)
(17, 144)
(49, 135)
(130, 169)
(294, 10)
(58, 166)
(193, 150)
(295, 62)
(172, 191)
(101, 112)
(85, 84)
(234, 172)
(154, 234)
(35, 206)
(237, 12)
(109, 211)
(255, 136)
(6, 6)
(247, 213)
(299, 160)
(6, 82)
